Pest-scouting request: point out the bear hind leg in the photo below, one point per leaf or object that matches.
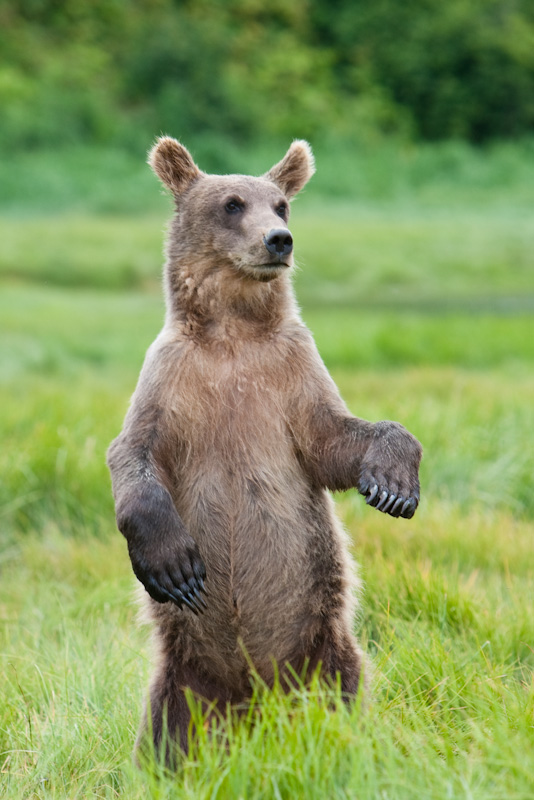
(341, 659)
(164, 730)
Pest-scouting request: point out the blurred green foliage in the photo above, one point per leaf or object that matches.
(244, 71)
(403, 176)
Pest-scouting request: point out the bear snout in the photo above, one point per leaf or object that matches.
(279, 242)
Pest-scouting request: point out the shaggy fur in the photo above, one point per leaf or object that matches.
(234, 434)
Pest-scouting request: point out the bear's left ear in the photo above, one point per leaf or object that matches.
(173, 164)
(294, 170)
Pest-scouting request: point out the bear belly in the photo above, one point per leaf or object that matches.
(273, 559)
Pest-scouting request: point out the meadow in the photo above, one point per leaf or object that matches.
(419, 287)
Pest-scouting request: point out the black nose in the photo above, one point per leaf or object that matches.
(279, 242)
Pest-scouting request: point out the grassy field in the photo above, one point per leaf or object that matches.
(423, 309)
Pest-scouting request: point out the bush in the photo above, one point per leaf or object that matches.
(128, 70)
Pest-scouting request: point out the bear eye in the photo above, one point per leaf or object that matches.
(234, 206)
(281, 209)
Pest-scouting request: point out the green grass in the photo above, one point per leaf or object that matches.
(445, 621)
(446, 347)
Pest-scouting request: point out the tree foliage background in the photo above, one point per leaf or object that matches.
(246, 70)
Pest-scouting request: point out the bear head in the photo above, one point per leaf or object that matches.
(237, 224)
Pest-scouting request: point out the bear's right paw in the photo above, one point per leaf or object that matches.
(174, 572)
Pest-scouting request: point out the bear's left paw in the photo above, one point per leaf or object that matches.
(389, 473)
(390, 501)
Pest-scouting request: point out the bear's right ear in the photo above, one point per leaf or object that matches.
(173, 164)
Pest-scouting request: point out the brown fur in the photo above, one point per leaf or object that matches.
(234, 434)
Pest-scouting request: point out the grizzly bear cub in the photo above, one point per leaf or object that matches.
(234, 436)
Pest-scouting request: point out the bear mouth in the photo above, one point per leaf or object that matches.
(269, 271)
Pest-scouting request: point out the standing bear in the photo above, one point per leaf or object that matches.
(234, 435)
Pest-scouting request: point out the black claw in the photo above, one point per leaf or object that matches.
(177, 598)
(383, 497)
(170, 598)
(389, 503)
(189, 598)
(183, 590)
(199, 598)
(197, 608)
(189, 604)
(408, 509)
(202, 587)
(194, 602)
(156, 591)
(200, 605)
(396, 509)
(372, 494)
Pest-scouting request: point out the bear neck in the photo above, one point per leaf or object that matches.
(215, 303)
